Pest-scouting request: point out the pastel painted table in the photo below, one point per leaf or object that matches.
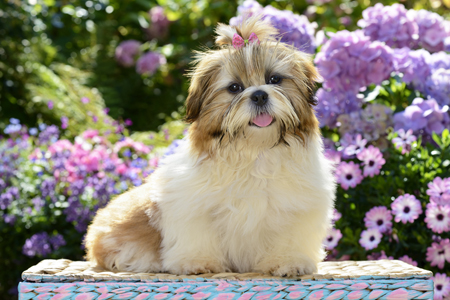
(383, 279)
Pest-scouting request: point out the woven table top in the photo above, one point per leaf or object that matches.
(64, 270)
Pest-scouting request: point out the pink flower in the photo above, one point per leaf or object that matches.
(85, 100)
(438, 217)
(370, 238)
(441, 286)
(89, 134)
(439, 191)
(50, 104)
(372, 159)
(126, 52)
(437, 254)
(408, 260)
(379, 217)
(348, 175)
(332, 239)
(406, 208)
(149, 62)
(59, 146)
(353, 147)
(121, 168)
(333, 155)
(404, 140)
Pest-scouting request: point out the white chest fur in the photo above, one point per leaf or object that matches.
(237, 210)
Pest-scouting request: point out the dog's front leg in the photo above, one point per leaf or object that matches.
(298, 249)
(190, 246)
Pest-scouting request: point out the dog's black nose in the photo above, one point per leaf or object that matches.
(259, 98)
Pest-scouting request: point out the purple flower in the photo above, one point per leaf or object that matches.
(371, 122)
(378, 256)
(50, 104)
(49, 135)
(437, 254)
(439, 191)
(331, 104)
(441, 286)
(348, 175)
(149, 62)
(438, 217)
(41, 244)
(379, 217)
(433, 29)
(294, 29)
(406, 208)
(413, 65)
(439, 60)
(390, 24)
(437, 86)
(38, 203)
(423, 116)
(372, 160)
(11, 194)
(332, 239)
(370, 238)
(64, 122)
(349, 61)
(355, 147)
(84, 100)
(408, 260)
(404, 139)
(126, 52)
(159, 25)
(13, 128)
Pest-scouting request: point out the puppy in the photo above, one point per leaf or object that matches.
(249, 190)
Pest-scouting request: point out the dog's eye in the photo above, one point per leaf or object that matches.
(274, 79)
(235, 88)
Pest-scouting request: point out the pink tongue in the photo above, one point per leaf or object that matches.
(263, 120)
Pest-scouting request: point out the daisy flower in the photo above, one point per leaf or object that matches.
(332, 239)
(437, 254)
(348, 175)
(372, 159)
(404, 140)
(370, 238)
(406, 208)
(441, 286)
(354, 147)
(438, 217)
(379, 217)
(439, 191)
(408, 260)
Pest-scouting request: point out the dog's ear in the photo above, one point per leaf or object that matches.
(202, 78)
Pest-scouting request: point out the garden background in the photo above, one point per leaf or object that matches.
(92, 92)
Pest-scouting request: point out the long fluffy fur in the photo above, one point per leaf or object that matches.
(234, 197)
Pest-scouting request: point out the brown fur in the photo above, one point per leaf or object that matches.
(209, 101)
(126, 219)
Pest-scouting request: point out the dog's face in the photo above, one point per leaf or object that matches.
(262, 93)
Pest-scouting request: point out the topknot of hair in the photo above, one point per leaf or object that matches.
(262, 28)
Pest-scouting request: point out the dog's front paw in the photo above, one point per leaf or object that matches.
(288, 268)
(197, 267)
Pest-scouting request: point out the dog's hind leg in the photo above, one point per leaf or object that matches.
(122, 236)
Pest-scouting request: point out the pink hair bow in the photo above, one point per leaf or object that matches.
(239, 42)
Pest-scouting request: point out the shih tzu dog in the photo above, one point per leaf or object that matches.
(249, 190)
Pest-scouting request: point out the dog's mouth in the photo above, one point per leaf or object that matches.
(262, 120)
